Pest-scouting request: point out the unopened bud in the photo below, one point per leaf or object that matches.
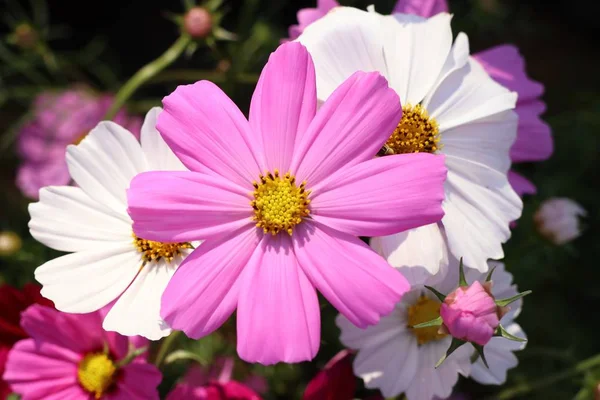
(25, 36)
(557, 220)
(10, 243)
(197, 22)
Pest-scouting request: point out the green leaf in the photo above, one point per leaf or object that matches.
(502, 332)
(489, 275)
(462, 282)
(439, 295)
(433, 322)
(179, 355)
(456, 343)
(479, 349)
(505, 302)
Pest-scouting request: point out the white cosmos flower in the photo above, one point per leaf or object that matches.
(455, 108)
(397, 359)
(91, 222)
(498, 351)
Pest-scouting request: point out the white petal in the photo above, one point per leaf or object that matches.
(104, 163)
(457, 58)
(158, 154)
(415, 51)
(486, 141)
(422, 249)
(479, 205)
(465, 95)
(356, 338)
(137, 312)
(346, 40)
(67, 219)
(500, 358)
(88, 280)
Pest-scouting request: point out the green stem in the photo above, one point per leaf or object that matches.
(147, 72)
(165, 347)
(525, 388)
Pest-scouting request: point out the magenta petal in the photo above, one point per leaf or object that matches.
(139, 382)
(355, 280)
(278, 315)
(507, 67)
(382, 196)
(520, 184)
(204, 291)
(284, 103)
(186, 206)
(424, 8)
(349, 128)
(534, 138)
(209, 133)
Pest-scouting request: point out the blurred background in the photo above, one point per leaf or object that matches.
(52, 45)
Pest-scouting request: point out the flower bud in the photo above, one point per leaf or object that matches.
(25, 36)
(10, 243)
(197, 22)
(558, 220)
(470, 313)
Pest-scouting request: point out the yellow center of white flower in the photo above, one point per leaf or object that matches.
(278, 203)
(424, 310)
(416, 133)
(96, 373)
(155, 251)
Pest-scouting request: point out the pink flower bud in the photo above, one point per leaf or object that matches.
(471, 314)
(197, 22)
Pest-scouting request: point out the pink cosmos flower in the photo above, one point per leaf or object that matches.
(70, 356)
(471, 314)
(280, 201)
(59, 119)
(214, 384)
(335, 382)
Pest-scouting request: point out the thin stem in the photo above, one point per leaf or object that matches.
(147, 72)
(525, 388)
(164, 348)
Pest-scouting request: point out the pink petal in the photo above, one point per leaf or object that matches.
(284, 103)
(534, 137)
(278, 316)
(382, 196)
(424, 8)
(204, 291)
(209, 134)
(520, 184)
(186, 206)
(349, 128)
(507, 67)
(139, 382)
(348, 273)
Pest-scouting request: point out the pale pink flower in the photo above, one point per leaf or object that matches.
(471, 314)
(557, 219)
(70, 356)
(58, 120)
(280, 201)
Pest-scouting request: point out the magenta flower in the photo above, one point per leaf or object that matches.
(70, 356)
(214, 384)
(471, 314)
(424, 8)
(280, 201)
(59, 119)
(335, 382)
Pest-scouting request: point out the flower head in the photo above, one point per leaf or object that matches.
(558, 220)
(70, 356)
(197, 22)
(107, 260)
(335, 382)
(280, 200)
(59, 119)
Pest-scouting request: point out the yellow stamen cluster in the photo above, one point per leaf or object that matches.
(424, 310)
(96, 373)
(155, 251)
(278, 203)
(416, 133)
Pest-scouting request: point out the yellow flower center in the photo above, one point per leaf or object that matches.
(96, 373)
(425, 310)
(416, 133)
(278, 203)
(154, 251)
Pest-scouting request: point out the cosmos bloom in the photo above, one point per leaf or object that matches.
(451, 107)
(213, 383)
(280, 201)
(558, 220)
(395, 358)
(335, 382)
(107, 260)
(70, 356)
(12, 302)
(59, 119)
